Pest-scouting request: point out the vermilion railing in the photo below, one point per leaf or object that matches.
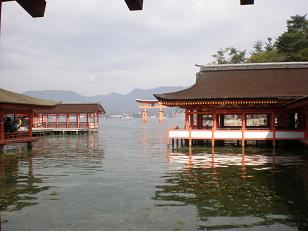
(14, 135)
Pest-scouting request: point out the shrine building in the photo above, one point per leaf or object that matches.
(266, 101)
(68, 118)
(16, 117)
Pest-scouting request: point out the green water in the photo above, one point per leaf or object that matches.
(125, 178)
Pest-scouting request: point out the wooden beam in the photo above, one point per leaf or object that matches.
(247, 2)
(36, 8)
(134, 4)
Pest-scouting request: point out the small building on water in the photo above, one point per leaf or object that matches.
(16, 117)
(72, 118)
(267, 101)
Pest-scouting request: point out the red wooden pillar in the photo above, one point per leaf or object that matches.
(1, 125)
(191, 119)
(214, 128)
(199, 121)
(57, 120)
(88, 120)
(67, 120)
(186, 119)
(97, 120)
(41, 116)
(189, 137)
(144, 115)
(161, 115)
(94, 120)
(243, 129)
(168, 138)
(273, 128)
(30, 124)
(78, 120)
(46, 120)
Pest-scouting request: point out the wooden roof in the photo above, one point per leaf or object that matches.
(36, 8)
(134, 4)
(246, 81)
(147, 101)
(74, 108)
(8, 97)
(298, 103)
(138, 4)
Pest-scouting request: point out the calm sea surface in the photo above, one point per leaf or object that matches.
(124, 178)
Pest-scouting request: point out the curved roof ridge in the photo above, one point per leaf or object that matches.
(9, 97)
(253, 66)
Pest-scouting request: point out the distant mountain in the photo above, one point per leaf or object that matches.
(113, 103)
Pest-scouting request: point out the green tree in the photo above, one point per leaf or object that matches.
(293, 43)
(258, 46)
(266, 57)
(269, 44)
(236, 56)
(220, 57)
(230, 55)
(297, 23)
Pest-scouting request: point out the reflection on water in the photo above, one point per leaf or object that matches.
(18, 185)
(238, 190)
(21, 177)
(122, 179)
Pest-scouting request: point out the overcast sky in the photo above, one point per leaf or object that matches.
(99, 46)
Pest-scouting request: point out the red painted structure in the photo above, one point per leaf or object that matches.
(16, 117)
(84, 115)
(244, 102)
(149, 104)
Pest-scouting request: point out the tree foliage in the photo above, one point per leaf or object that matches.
(294, 41)
(291, 45)
(230, 55)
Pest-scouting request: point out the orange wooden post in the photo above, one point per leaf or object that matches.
(191, 120)
(144, 115)
(46, 120)
(243, 129)
(97, 120)
(161, 115)
(168, 138)
(42, 119)
(186, 119)
(1, 126)
(88, 120)
(273, 128)
(57, 120)
(30, 124)
(78, 120)
(190, 139)
(151, 104)
(213, 154)
(67, 120)
(214, 128)
(201, 121)
(190, 163)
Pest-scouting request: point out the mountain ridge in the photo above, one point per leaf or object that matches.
(113, 103)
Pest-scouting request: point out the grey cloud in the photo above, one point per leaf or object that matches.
(96, 47)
